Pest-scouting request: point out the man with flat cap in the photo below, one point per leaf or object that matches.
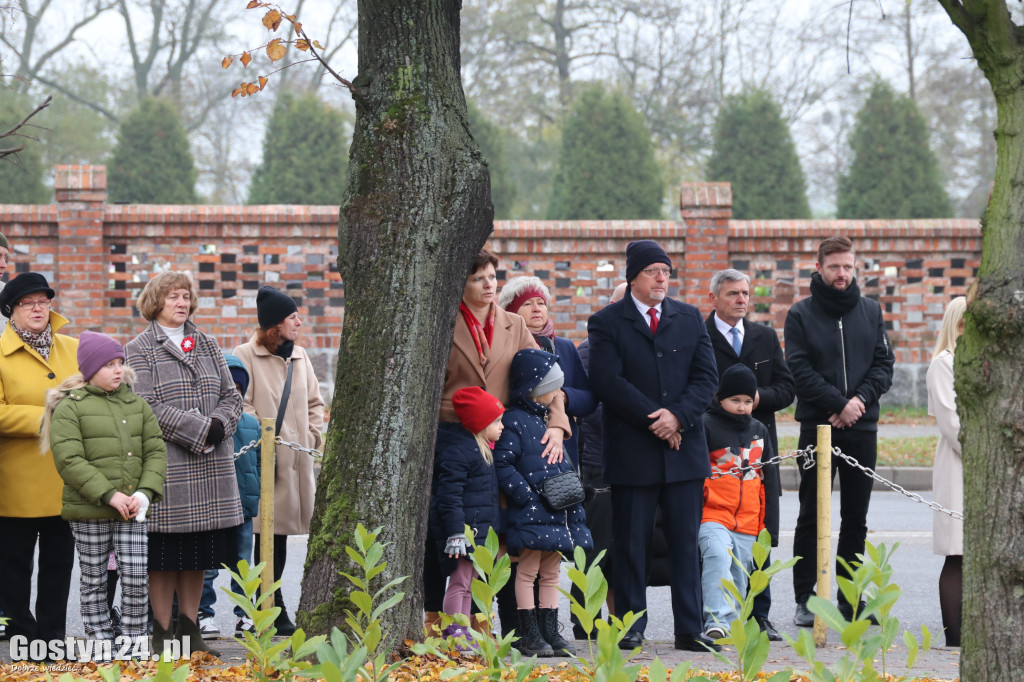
(653, 367)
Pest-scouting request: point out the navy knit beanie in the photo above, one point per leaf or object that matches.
(642, 254)
(272, 306)
(737, 380)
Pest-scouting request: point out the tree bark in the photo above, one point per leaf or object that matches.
(416, 209)
(989, 361)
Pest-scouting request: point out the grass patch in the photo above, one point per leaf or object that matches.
(895, 452)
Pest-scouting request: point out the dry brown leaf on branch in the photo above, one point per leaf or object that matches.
(246, 58)
(253, 4)
(226, 62)
(317, 45)
(298, 26)
(276, 49)
(302, 44)
(272, 19)
(263, 82)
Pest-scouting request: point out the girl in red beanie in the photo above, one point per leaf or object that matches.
(465, 490)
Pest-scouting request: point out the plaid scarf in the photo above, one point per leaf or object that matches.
(40, 341)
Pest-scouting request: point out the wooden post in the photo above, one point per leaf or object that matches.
(268, 452)
(824, 471)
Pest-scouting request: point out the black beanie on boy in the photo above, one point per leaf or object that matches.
(737, 380)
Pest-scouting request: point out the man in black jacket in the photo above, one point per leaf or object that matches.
(842, 361)
(739, 341)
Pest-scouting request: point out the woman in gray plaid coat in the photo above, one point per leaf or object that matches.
(182, 374)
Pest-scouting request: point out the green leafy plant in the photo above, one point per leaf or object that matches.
(744, 633)
(367, 659)
(281, 660)
(870, 581)
(607, 661)
(493, 569)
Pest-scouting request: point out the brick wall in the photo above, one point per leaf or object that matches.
(99, 256)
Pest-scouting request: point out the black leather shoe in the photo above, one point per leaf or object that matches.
(846, 611)
(803, 617)
(696, 642)
(769, 629)
(631, 640)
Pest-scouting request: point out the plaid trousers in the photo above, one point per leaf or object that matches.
(94, 540)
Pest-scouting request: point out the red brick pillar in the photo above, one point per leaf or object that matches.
(705, 209)
(81, 267)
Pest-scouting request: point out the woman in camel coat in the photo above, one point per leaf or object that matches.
(267, 356)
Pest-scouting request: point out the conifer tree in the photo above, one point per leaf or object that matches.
(754, 151)
(492, 145)
(606, 168)
(894, 173)
(21, 173)
(305, 153)
(151, 163)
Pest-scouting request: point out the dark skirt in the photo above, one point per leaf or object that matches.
(193, 551)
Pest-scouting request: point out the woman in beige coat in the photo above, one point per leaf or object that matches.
(948, 475)
(268, 355)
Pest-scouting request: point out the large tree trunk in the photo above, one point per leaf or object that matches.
(989, 363)
(417, 207)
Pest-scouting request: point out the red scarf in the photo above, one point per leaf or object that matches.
(482, 334)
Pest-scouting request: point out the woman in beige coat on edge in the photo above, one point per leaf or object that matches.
(267, 356)
(948, 475)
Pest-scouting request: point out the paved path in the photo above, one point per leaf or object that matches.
(892, 518)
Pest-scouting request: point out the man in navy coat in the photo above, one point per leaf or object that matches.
(655, 374)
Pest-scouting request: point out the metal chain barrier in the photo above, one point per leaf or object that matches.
(738, 471)
(809, 463)
(294, 446)
(935, 506)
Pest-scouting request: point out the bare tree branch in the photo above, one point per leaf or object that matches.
(15, 130)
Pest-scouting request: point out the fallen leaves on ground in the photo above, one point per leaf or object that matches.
(209, 669)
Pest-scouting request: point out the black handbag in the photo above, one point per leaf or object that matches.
(561, 491)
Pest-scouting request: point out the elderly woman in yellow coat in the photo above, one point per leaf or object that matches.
(271, 356)
(33, 358)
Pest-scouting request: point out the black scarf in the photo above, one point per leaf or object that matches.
(836, 303)
(740, 422)
(284, 349)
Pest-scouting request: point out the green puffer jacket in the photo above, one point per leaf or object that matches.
(103, 443)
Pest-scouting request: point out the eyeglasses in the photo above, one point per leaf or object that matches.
(654, 272)
(32, 305)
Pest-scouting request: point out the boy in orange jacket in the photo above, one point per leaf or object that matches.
(734, 501)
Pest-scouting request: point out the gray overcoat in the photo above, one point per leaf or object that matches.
(185, 391)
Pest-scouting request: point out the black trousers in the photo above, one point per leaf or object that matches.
(854, 496)
(280, 555)
(53, 577)
(633, 510)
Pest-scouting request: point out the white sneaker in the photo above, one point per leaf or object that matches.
(715, 633)
(244, 625)
(208, 627)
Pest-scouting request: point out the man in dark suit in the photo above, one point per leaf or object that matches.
(739, 341)
(652, 366)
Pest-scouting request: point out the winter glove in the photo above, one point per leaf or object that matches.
(456, 546)
(143, 499)
(216, 433)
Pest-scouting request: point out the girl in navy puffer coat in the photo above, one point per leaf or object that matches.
(465, 489)
(533, 532)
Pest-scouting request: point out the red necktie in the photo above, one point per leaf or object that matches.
(653, 312)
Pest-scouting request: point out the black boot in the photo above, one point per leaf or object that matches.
(160, 636)
(189, 628)
(531, 643)
(508, 610)
(547, 620)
